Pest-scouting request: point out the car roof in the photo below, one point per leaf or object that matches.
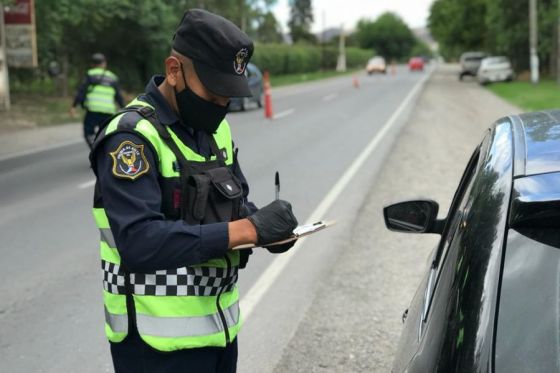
(536, 139)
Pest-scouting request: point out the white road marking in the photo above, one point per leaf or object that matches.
(284, 113)
(330, 97)
(273, 271)
(87, 184)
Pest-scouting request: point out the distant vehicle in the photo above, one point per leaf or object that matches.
(376, 64)
(495, 69)
(489, 299)
(416, 64)
(255, 78)
(470, 62)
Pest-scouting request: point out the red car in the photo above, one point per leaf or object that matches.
(416, 63)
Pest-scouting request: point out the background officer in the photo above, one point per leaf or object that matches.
(171, 202)
(98, 94)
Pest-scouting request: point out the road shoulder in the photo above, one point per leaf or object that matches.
(20, 141)
(353, 324)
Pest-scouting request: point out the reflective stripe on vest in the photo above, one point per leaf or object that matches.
(170, 327)
(100, 98)
(175, 308)
(176, 327)
(117, 323)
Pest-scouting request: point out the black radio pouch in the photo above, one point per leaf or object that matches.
(210, 192)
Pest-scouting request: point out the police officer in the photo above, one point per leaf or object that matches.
(98, 95)
(171, 204)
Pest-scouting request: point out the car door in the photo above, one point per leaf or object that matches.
(254, 78)
(457, 327)
(417, 316)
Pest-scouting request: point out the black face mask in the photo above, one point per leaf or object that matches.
(198, 113)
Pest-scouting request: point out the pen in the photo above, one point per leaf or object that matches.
(277, 184)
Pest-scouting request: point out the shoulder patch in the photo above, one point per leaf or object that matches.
(129, 161)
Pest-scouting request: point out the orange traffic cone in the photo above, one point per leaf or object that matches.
(267, 97)
(355, 82)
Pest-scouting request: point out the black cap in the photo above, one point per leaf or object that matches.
(219, 49)
(98, 58)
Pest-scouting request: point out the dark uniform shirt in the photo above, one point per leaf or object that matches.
(146, 240)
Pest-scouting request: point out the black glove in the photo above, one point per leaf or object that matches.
(274, 222)
(282, 248)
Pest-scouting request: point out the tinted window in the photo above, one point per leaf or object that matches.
(495, 61)
(454, 217)
(456, 210)
(528, 332)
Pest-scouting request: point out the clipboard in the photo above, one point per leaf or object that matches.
(300, 231)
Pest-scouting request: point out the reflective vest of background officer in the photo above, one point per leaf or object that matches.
(171, 201)
(99, 95)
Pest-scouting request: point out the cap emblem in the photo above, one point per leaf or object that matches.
(240, 61)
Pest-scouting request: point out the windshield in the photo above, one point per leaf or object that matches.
(528, 333)
(495, 60)
(377, 60)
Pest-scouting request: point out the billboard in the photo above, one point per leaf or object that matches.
(21, 40)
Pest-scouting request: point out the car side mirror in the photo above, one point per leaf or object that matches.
(413, 217)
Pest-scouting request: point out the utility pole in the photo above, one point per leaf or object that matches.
(4, 81)
(323, 41)
(341, 63)
(534, 62)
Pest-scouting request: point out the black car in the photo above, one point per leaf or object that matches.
(490, 299)
(255, 79)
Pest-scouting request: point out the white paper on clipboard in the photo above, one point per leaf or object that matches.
(300, 231)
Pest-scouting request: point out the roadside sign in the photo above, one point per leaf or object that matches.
(21, 39)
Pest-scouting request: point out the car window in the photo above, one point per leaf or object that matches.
(455, 214)
(250, 71)
(495, 61)
(528, 331)
(454, 218)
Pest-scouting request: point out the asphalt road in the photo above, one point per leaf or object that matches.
(51, 315)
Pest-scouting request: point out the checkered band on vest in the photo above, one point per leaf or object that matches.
(199, 281)
(113, 278)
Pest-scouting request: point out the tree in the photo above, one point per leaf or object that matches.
(389, 35)
(268, 30)
(301, 18)
(421, 49)
(458, 25)
(496, 26)
(135, 35)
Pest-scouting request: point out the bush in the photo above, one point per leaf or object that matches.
(280, 59)
(356, 57)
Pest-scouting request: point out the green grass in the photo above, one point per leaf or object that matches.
(32, 110)
(281, 80)
(529, 96)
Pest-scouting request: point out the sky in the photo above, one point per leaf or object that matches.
(348, 12)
